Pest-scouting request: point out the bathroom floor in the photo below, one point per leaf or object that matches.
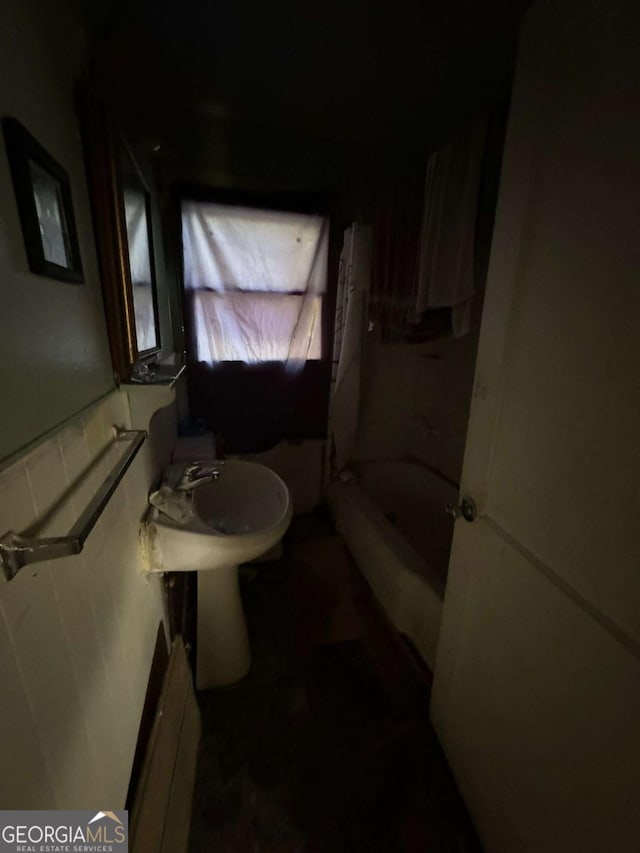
(326, 745)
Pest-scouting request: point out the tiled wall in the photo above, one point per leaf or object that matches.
(416, 399)
(76, 634)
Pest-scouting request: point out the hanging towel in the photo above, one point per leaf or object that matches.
(446, 252)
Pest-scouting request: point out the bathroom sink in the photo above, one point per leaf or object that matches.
(236, 512)
(233, 519)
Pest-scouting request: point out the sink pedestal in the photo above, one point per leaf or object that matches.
(208, 517)
(223, 654)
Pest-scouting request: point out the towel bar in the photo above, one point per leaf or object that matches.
(17, 551)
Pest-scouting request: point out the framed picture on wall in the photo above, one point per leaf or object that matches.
(43, 197)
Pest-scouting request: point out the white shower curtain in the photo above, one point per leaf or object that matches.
(351, 307)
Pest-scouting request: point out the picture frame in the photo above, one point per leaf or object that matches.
(45, 208)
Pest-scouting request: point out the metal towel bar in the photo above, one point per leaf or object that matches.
(17, 551)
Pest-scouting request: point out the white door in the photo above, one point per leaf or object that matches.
(536, 697)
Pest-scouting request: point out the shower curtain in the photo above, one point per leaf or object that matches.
(351, 306)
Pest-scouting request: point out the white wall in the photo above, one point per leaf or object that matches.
(54, 353)
(77, 635)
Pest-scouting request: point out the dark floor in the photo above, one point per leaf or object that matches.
(326, 745)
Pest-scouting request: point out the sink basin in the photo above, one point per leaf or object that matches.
(233, 519)
(230, 520)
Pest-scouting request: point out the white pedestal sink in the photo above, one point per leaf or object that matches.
(237, 517)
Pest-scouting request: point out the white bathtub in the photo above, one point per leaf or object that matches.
(404, 556)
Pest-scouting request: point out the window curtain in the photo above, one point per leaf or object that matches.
(353, 289)
(254, 280)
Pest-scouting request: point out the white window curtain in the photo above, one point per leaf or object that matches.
(255, 279)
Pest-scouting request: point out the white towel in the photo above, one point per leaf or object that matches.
(176, 504)
(446, 254)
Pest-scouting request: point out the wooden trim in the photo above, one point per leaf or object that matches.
(103, 144)
(161, 815)
(121, 246)
(99, 139)
(157, 674)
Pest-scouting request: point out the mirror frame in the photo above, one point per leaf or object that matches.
(101, 141)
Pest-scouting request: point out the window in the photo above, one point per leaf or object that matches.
(255, 280)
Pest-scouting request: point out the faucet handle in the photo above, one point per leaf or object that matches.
(191, 470)
(197, 472)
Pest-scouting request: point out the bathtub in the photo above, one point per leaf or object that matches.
(391, 516)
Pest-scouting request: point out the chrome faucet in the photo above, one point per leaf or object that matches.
(196, 473)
